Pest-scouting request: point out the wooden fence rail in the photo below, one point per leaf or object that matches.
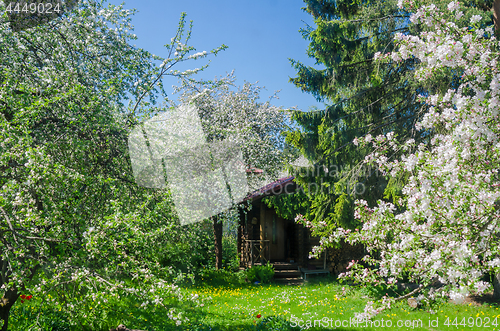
(256, 251)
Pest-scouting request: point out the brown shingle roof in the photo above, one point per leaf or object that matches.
(273, 188)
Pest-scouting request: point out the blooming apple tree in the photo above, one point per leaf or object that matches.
(237, 115)
(445, 229)
(73, 222)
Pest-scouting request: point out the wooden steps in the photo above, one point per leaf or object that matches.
(287, 273)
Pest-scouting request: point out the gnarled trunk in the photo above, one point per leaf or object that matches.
(6, 303)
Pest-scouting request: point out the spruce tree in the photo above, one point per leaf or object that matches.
(363, 97)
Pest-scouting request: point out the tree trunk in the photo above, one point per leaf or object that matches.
(496, 14)
(496, 286)
(6, 303)
(218, 243)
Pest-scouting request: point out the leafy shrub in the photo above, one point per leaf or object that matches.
(230, 260)
(222, 277)
(186, 250)
(263, 274)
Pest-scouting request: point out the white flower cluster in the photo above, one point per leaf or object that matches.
(451, 220)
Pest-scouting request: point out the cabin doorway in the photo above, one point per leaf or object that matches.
(277, 238)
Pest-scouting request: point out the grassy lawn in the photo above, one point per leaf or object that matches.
(330, 305)
(230, 306)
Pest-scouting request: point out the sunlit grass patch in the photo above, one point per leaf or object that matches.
(316, 305)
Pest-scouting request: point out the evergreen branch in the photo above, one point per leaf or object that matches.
(376, 19)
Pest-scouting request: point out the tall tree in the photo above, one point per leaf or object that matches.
(447, 233)
(71, 216)
(366, 98)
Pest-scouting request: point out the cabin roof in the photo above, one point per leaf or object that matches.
(273, 188)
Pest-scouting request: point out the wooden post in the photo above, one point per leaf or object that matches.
(263, 223)
(324, 260)
(218, 242)
(242, 222)
(251, 254)
(300, 234)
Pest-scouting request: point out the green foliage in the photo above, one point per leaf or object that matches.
(394, 190)
(340, 213)
(101, 316)
(73, 222)
(378, 291)
(31, 319)
(222, 277)
(287, 206)
(261, 273)
(329, 299)
(186, 250)
(363, 96)
(230, 259)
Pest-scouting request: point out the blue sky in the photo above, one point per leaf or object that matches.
(261, 36)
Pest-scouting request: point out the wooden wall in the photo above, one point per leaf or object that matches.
(300, 240)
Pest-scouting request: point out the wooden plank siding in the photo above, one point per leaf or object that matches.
(287, 239)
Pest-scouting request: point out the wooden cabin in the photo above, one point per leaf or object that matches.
(264, 237)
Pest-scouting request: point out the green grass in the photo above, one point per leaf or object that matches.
(231, 305)
(325, 303)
